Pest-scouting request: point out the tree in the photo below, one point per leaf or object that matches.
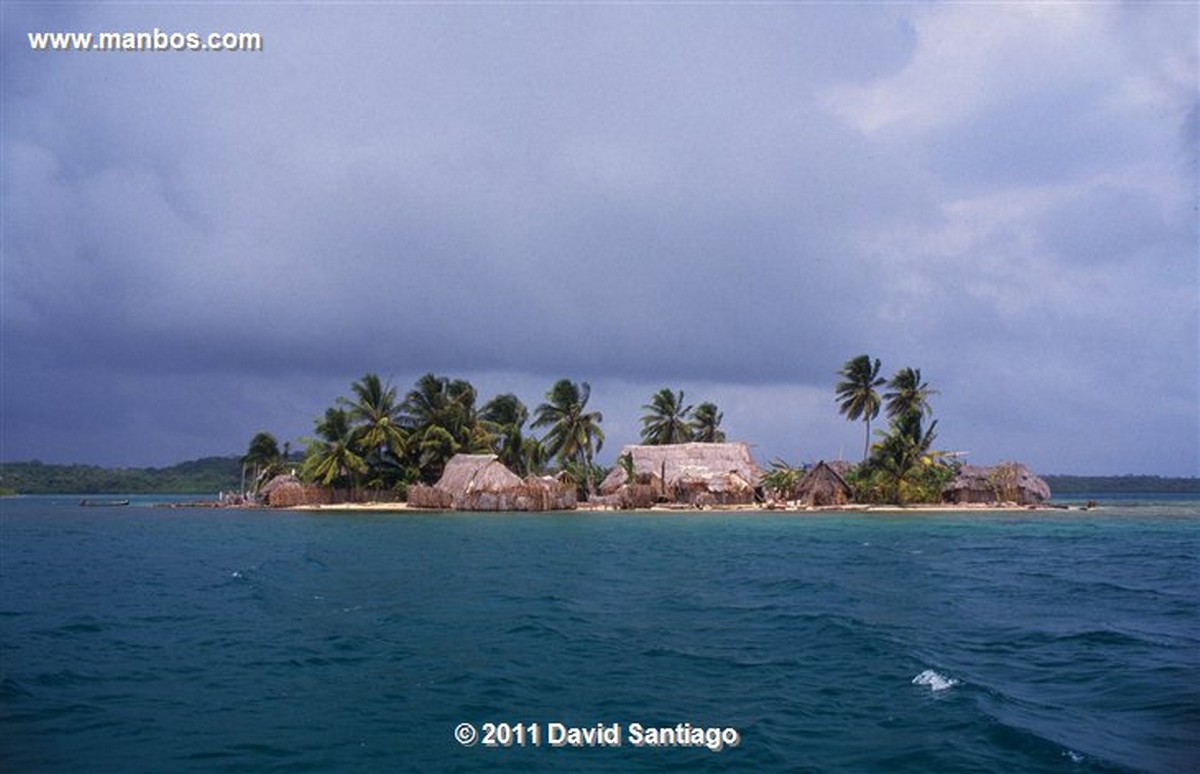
(706, 424)
(262, 457)
(857, 394)
(573, 432)
(505, 416)
(667, 419)
(440, 416)
(332, 457)
(782, 479)
(377, 430)
(905, 466)
(907, 396)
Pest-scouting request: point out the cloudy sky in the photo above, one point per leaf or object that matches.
(731, 200)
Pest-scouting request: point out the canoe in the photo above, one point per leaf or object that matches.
(86, 503)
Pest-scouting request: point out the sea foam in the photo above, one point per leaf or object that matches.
(935, 681)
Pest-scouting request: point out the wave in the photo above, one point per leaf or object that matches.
(935, 681)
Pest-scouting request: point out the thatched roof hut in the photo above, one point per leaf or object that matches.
(1008, 482)
(697, 473)
(823, 485)
(287, 491)
(480, 482)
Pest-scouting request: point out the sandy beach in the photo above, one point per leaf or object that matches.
(757, 508)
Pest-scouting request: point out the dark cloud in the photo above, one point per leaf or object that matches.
(199, 246)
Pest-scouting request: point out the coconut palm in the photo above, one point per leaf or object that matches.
(667, 419)
(505, 416)
(333, 457)
(903, 456)
(706, 424)
(442, 420)
(262, 457)
(907, 396)
(857, 394)
(376, 416)
(573, 433)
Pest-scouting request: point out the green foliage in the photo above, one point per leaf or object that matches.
(627, 466)
(333, 458)
(442, 420)
(586, 476)
(262, 459)
(1123, 484)
(781, 481)
(574, 434)
(667, 419)
(504, 416)
(706, 424)
(902, 467)
(203, 476)
(857, 394)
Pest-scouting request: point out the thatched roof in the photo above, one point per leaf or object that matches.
(717, 466)
(469, 473)
(287, 491)
(823, 485)
(1010, 481)
(480, 482)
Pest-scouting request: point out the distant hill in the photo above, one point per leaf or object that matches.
(204, 476)
(1123, 484)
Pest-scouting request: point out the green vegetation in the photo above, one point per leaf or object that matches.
(373, 440)
(667, 421)
(1123, 484)
(857, 394)
(208, 476)
(574, 435)
(376, 441)
(706, 424)
(782, 480)
(902, 467)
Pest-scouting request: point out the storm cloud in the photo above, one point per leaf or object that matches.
(726, 200)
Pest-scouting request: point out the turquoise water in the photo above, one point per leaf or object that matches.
(143, 639)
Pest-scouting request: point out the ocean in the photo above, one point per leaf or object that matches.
(149, 639)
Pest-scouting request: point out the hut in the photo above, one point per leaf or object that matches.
(823, 485)
(480, 482)
(287, 491)
(693, 473)
(1008, 482)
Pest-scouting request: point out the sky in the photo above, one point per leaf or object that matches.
(729, 200)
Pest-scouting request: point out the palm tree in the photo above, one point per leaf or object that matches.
(505, 415)
(857, 393)
(667, 420)
(706, 424)
(376, 416)
(902, 455)
(441, 418)
(333, 457)
(533, 456)
(262, 456)
(574, 434)
(907, 396)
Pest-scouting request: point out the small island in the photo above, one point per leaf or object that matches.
(436, 448)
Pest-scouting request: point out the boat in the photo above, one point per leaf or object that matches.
(91, 503)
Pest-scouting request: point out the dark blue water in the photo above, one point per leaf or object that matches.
(142, 639)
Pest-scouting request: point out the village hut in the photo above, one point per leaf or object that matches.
(287, 491)
(1008, 482)
(480, 482)
(693, 473)
(823, 485)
